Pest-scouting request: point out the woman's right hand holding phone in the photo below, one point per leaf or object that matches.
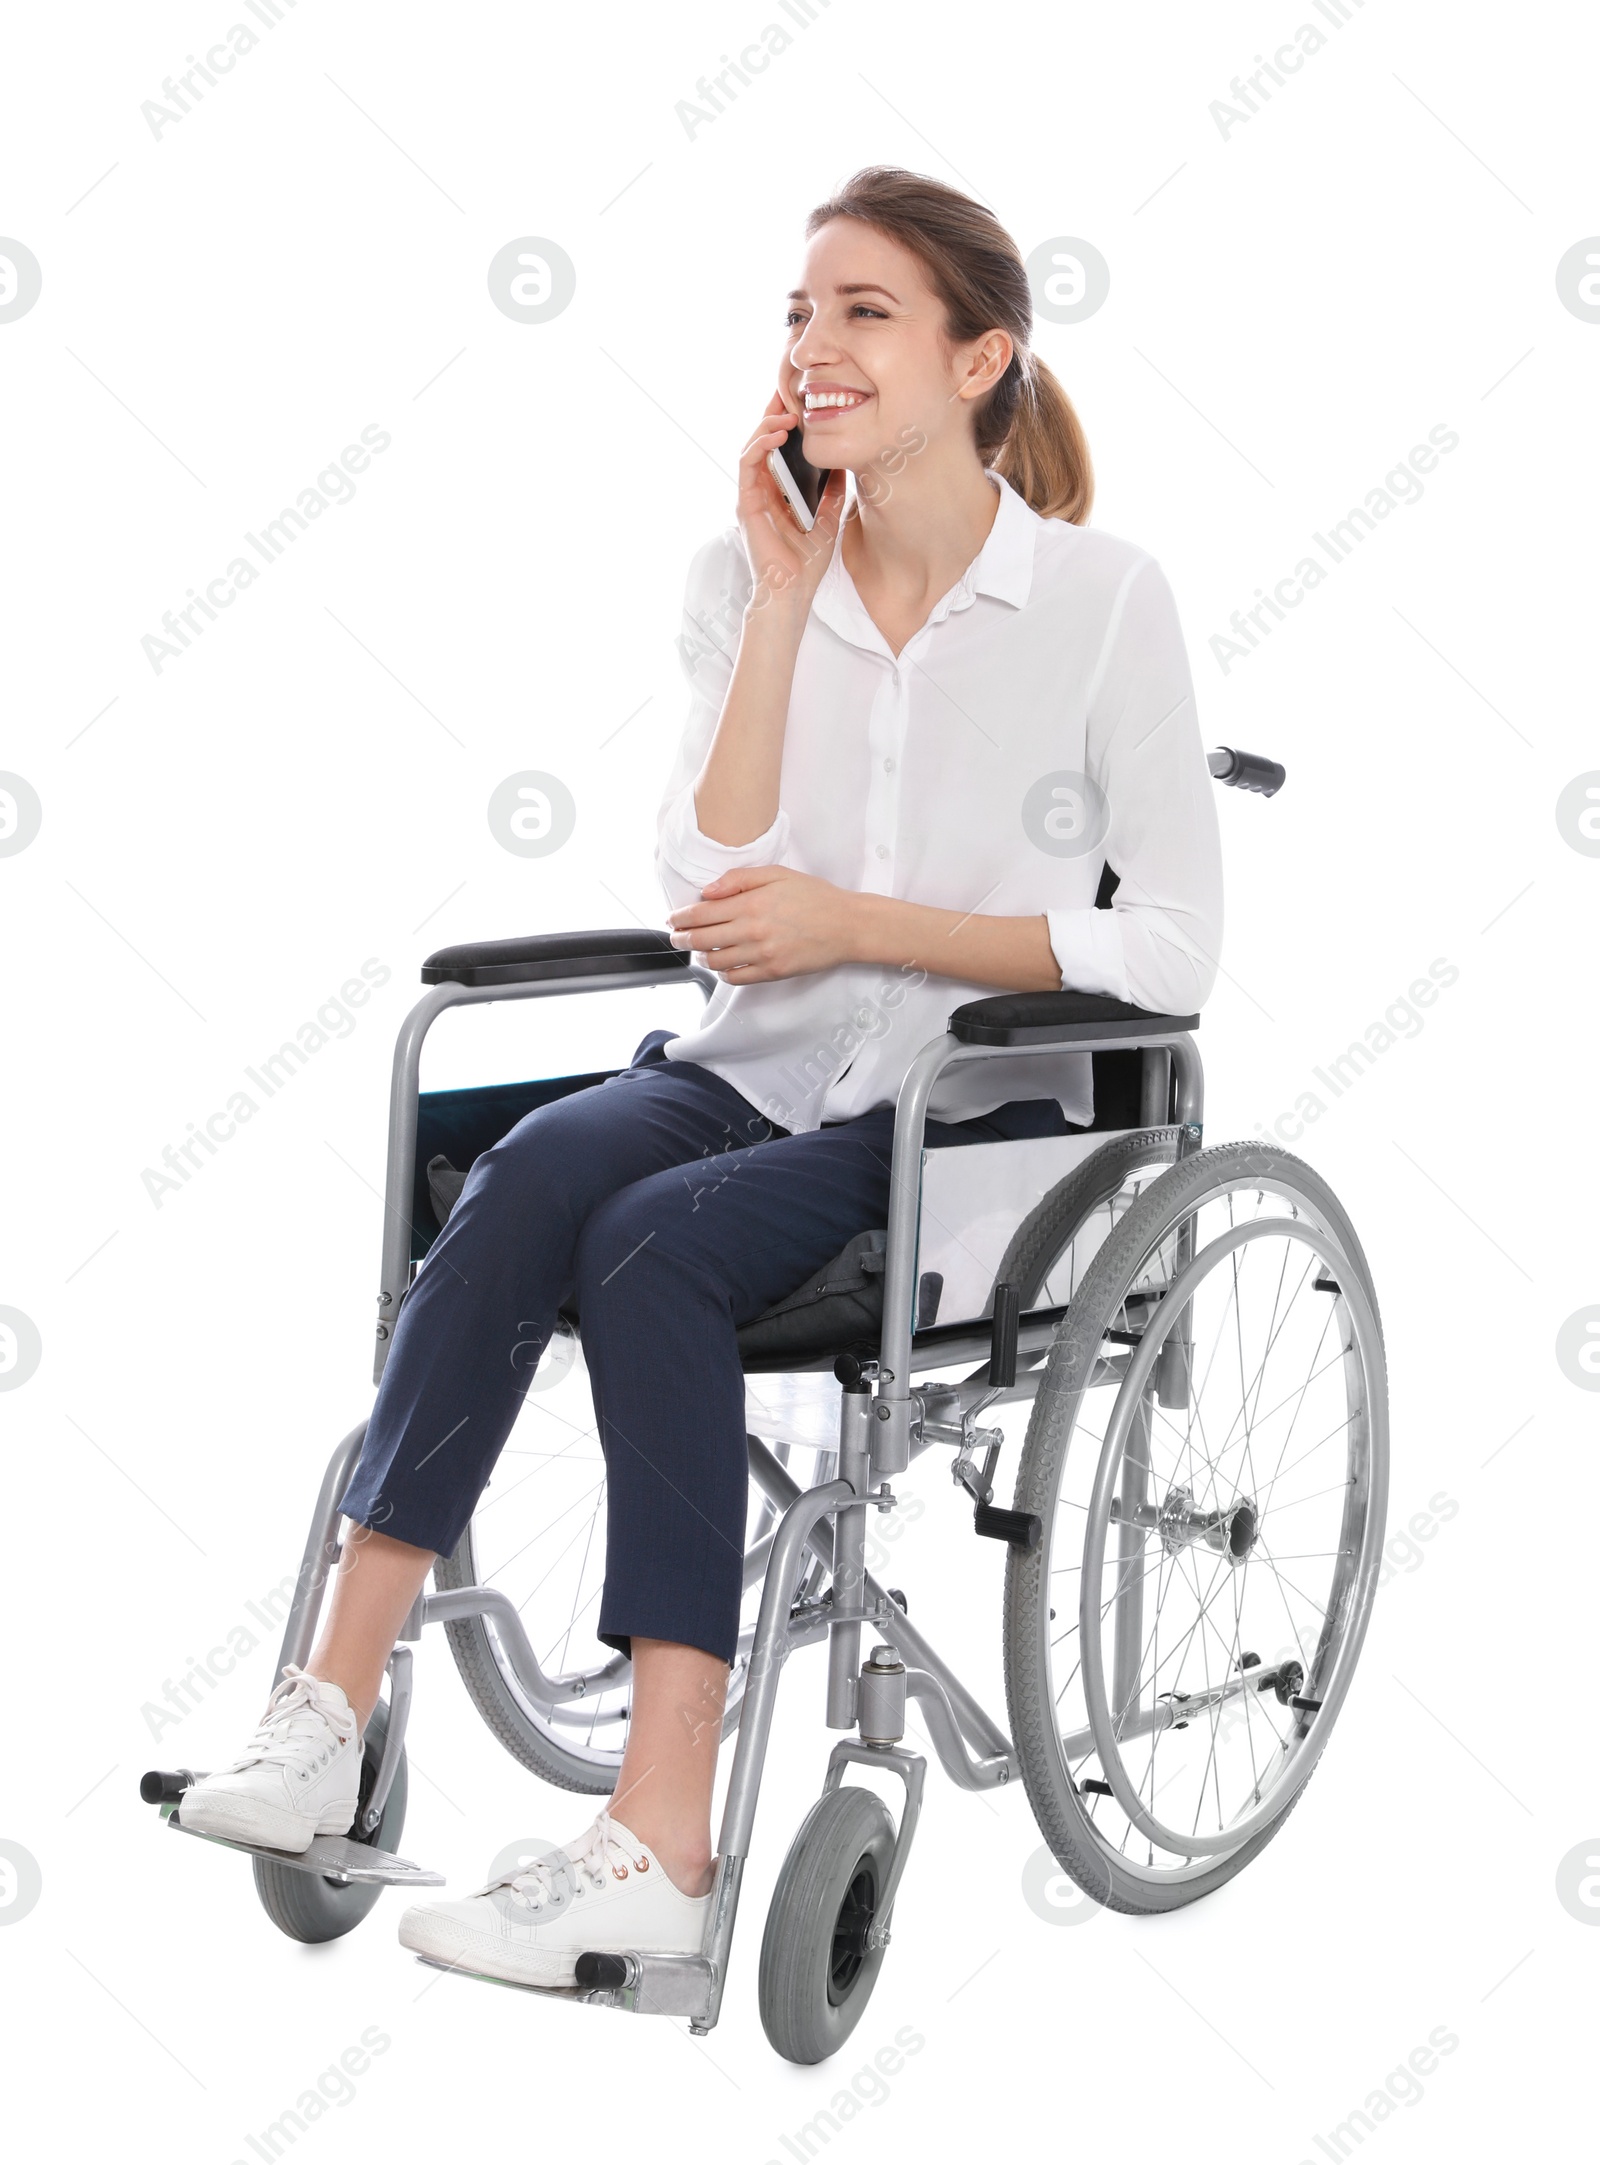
(786, 563)
(736, 792)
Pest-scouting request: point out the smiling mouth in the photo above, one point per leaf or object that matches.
(819, 403)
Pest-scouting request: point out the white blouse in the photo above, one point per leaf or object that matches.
(1040, 723)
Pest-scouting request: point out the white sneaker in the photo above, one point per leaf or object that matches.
(605, 1894)
(298, 1777)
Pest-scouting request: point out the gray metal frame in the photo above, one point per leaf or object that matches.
(405, 1088)
(884, 1424)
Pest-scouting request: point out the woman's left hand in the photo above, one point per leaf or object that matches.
(766, 921)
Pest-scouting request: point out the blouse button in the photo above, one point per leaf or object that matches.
(888, 766)
(883, 849)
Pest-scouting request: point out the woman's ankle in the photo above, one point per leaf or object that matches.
(688, 1863)
(691, 1876)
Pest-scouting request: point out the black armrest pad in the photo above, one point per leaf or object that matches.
(1058, 1018)
(553, 954)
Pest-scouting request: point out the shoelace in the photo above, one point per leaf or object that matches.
(600, 1851)
(295, 1726)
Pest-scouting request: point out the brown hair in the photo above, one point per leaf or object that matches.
(1026, 427)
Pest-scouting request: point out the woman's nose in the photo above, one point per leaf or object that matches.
(812, 349)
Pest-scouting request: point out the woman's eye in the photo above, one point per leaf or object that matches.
(792, 316)
(861, 309)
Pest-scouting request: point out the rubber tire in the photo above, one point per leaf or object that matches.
(1040, 1239)
(312, 1909)
(1059, 1811)
(844, 1830)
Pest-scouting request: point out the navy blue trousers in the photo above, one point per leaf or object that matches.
(671, 1212)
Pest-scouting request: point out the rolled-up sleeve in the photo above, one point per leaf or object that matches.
(1157, 945)
(715, 595)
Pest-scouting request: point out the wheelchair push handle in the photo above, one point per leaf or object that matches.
(1246, 770)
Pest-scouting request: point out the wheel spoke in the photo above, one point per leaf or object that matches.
(1270, 1381)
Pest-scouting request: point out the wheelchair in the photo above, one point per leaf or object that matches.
(1192, 1544)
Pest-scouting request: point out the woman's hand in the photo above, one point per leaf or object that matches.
(785, 563)
(765, 921)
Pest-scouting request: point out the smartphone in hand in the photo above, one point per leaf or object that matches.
(800, 483)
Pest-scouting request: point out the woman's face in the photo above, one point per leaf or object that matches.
(866, 363)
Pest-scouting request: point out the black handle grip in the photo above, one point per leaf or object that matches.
(1247, 770)
(159, 1788)
(1003, 1336)
(1023, 1529)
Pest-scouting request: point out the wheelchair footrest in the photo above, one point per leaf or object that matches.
(641, 1984)
(331, 1856)
(1024, 1529)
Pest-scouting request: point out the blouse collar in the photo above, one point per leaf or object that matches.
(1003, 568)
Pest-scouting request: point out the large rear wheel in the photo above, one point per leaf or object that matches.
(1208, 1456)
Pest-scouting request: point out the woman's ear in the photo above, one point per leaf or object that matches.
(990, 358)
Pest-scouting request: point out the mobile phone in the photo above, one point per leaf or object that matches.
(802, 483)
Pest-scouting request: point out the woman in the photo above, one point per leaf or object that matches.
(909, 731)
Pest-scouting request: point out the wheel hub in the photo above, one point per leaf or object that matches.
(852, 1934)
(1231, 1530)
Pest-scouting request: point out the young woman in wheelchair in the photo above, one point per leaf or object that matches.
(896, 721)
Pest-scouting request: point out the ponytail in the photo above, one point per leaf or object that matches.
(1045, 455)
(1026, 427)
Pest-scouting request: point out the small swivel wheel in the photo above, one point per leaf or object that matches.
(817, 1968)
(312, 1908)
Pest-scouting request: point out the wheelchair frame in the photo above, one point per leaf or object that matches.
(884, 1422)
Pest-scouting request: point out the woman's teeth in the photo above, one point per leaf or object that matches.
(817, 399)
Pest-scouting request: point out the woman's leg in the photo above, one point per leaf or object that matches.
(465, 1346)
(663, 1792)
(472, 1328)
(667, 1270)
(370, 1594)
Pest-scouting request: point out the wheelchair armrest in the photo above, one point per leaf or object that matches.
(554, 954)
(1058, 1018)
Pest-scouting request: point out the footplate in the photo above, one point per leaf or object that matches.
(330, 1856)
(640, 1984)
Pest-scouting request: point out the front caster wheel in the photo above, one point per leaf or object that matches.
(311, 1908)
(817, 1970)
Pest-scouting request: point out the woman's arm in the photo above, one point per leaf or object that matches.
(768, 921)
(1157, 945)
(736, 791)
(1012, 953)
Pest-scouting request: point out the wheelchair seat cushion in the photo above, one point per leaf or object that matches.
(841, 1302)
(444, 1187)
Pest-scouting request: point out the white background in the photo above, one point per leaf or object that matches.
(1292, 307)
